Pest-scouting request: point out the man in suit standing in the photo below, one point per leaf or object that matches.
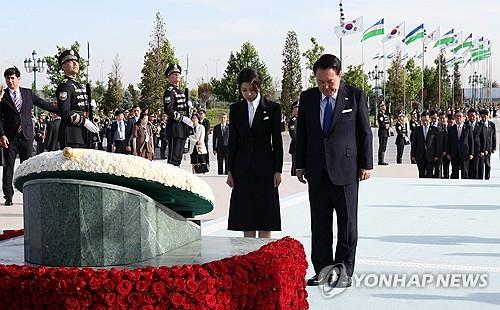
(52, 143)
(220, 143)
(334, 152)
(292, 127)
(490, 145)
(460, 147)
(134, 117)
(478, 136)
(425, 147)
(120, 133)
(16, 126)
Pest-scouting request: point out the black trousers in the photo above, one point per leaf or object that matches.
(17, 145)
(382, 146)
(175, 150)
(425, 168)
(163, 148)
(400, 150)
(292, 171)
(473, 167)
(484, 167)
(457, 164)
(324, 198)
(222, 155)
(437, 174)
(446, 168)
(119, 146)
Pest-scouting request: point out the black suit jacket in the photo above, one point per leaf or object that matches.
(426, 149)
(11, 119)
(128, 131)
(51, 139)
(218, 137)
(460, 149)
(257, 149)
(491, 138)
(348, 146)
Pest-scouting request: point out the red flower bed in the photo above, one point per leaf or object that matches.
(269, 278)
(7, 234)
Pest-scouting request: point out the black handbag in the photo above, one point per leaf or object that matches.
(200, 168)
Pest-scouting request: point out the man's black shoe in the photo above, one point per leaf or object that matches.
(383, 164)
(8, 202)
(314, 281)
(341, 281)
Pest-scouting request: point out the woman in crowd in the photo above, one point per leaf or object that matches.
(142, 138)
(197, 146)
(255, 159)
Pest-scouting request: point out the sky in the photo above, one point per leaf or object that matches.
(207, 31)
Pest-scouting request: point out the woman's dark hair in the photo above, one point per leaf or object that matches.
(327, 61)
(250, 75)
(141, 117)
(195, 115)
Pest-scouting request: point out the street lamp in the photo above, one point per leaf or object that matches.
(376, 75)
(473, 81)
(37, 65)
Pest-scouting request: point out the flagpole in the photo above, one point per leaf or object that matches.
(491, 83)
(452, 89)
(404, 80)
(363, 63)
(383, 53)
(422, 76)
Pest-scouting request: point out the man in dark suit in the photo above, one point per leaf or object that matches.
(220, 143)
(490, 145)
(460, 147)
(425, 147)
(51, 141)
(133, 118)
(334, 152)
(16, 126)
(120, 133)
(450, 121)
(292, 130)
(478, 135)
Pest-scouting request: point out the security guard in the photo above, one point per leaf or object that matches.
(384, 123)
(177, 109)
(72, 104)
(401, 138)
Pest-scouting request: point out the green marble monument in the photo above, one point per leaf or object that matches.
(72, 222)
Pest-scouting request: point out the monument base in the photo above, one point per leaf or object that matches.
(84, 223)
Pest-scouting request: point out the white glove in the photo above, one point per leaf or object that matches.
(93, 103)
(91, 126)
(187, 121)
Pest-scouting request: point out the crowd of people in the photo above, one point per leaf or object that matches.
(443, 144)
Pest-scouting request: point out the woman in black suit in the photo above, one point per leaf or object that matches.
(255, 159)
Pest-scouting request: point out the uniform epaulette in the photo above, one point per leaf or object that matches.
(170, 88)
(65, 80)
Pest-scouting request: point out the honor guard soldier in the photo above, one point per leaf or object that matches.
(177, 109)
(72, 104)
(401, 137)
(292, 125)
(384, 123)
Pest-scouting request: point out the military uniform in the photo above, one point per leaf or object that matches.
(384, 123)
(72, 104)
(292, 130)
(401, 140)
(176, 107)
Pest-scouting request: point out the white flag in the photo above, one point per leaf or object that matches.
(350, 27)
(396, 32)
(431, 37)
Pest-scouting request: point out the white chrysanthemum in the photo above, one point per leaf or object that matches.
(128, 166)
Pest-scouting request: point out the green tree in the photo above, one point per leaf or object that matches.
(396, 74)
(55, 74)
(355, 76)
(457, 87)
(445, 91)
(227, 88)
(311, 56)
(98, 92)
(429, 100)
(291, 84)
(413, 82)
(114, 93)
(158, 57)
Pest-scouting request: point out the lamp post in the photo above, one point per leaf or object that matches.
(473, 81)
(34, 65)
(376, 75)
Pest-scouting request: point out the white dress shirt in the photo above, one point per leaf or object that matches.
(252, 107)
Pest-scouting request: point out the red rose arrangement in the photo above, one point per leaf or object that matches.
(270, 278)
(8, 234)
